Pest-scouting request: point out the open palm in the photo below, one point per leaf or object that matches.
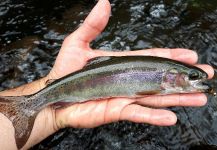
(74, 54)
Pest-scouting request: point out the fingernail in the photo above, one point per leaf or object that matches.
(184, 54)
(203, 100)
(197, 99)
(172, 119)
(169, 119)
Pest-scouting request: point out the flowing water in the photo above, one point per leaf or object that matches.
(31, 33)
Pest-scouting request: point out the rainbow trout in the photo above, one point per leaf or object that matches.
(104, 77)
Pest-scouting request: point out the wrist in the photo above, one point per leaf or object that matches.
(45, 123)
(26, 89)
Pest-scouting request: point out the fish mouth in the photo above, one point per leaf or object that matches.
(201, 85)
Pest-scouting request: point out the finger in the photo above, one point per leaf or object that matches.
(184, 55)
(197, 99)
(84, 114)
(208, 69)
(93, 24)
(139, 114)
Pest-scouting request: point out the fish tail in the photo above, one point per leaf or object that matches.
(16, 109)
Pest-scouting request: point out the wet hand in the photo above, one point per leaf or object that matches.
(74, 54)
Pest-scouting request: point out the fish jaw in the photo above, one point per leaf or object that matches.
(194, 87)
(200, 86)
(187, 86)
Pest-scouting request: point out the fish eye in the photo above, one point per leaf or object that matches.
(194, 75)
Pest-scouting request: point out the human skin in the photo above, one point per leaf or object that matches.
(73, 55)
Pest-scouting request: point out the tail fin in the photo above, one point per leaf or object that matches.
(18, 111)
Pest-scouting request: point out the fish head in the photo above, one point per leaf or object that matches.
(185, 79)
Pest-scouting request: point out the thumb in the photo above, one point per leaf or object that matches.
(93, 24)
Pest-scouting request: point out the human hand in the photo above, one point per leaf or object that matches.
(74, 54)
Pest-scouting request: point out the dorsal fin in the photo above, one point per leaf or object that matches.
(49, 81)
(97, 60)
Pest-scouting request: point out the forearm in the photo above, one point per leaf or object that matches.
(26, 89)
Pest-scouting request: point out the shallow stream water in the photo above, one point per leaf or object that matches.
(31, 33)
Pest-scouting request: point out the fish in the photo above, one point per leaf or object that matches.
(105, 77)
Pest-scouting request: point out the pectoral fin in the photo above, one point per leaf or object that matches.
(155, 92)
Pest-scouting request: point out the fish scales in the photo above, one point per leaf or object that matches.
(105, 77)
